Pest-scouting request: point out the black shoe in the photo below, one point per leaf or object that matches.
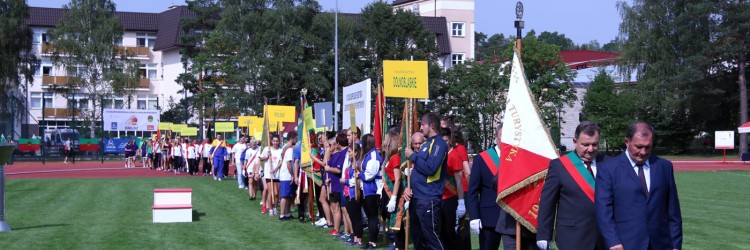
(369, 246)
(301, 219)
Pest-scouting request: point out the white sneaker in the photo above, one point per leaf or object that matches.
(321, 222)
(241, 187)
(215, 178)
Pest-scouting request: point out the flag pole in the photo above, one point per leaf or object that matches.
(407, 123)
(519, 26)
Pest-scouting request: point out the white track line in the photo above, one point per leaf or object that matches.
(68, 170)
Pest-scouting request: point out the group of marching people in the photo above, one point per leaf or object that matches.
(351, 186)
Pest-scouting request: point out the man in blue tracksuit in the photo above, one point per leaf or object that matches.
(218, 152)
(427, 183)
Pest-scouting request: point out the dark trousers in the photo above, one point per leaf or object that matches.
(156, 160)
(206, 166)
(193, 166)
(303, 203)
(448, 230)
(178, 162)
(371, 210)
(425, 219)
(489, 239)
(226, 168)
(353, 208)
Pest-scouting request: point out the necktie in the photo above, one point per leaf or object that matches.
(642, 176)
(588, 166)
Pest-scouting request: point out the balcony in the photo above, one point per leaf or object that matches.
(134, 51)
(47, 48)
(60, 113)
(55, 80)
(143, 83)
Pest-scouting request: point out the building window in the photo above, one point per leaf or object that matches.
(46, 70)
(45, 38)
(457, 59)
(81, 101)
(145, 39)
(147, 102)
(457, 29)
(117, 102)
(36, 100)
(78, 71)
(148, 71)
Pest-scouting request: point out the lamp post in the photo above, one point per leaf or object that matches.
(6, 150)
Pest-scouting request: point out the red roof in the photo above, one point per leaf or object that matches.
(581, 59)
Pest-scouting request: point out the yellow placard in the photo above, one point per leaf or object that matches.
(165, 126)
(224, 127)
(405, 79)
(189, 131)
(280, 114)
(250, 122)
(177, 128)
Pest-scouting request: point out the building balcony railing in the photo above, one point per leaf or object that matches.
(142, 83)
(60, 112)
(55, 80)
(134, 51)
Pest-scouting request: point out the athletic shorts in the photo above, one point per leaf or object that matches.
(286, 189)
(335, 197)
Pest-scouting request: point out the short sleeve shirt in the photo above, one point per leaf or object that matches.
(284, 174)
(393, 163)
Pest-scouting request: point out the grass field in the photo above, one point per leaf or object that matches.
(115, 214)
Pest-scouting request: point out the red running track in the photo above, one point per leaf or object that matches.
(116, 169)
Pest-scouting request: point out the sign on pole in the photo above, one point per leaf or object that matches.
(189, 131)
(724, 140)
(360, 95)
(281, 114)
(165, 126)
(224, 127)
(405, 79)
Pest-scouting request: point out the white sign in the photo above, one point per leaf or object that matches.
(130, 120)
(359, 94)
(724, 140)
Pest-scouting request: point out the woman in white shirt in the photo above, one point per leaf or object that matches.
(192, 156)
(177, 155)
(272, 156)
(237, 151)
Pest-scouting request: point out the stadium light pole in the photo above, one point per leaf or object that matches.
(336, 70)
(6, 150)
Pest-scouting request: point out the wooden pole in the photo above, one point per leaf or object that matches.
(518, 235)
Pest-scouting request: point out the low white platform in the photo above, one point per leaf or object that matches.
(172, 213)
(171, 196)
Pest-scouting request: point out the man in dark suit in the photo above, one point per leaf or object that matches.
(484, 212)
(636, 197)
(567, 202)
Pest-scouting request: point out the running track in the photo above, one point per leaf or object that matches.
(116, 169)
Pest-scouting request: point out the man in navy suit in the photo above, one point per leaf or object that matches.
(567, 202)
(484, 212)
(636, 197)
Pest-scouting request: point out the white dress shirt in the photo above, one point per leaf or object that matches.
(646, 170)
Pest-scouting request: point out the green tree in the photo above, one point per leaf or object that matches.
(199, 78)
(609, 106)
(684, 53)
(491, 47)
(17, 62)
(473, 93)
(84, 45)
(549, 79)
(558, 39)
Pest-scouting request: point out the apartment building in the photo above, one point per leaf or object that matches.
(459, 15)
(154, 39)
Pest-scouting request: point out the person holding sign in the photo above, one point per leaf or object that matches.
(567, 202)
(427, 183)
(272, 157)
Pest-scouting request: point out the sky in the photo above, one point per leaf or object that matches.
(582, 20)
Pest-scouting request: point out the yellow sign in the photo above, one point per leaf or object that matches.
(405, 79)
(250, 122)
(189, 131)
(177, 128)
(280, 114)
(224, 127)
(165, 126)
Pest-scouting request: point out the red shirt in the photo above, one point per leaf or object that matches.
(463, 156)
(393, 163)
(455, 164)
